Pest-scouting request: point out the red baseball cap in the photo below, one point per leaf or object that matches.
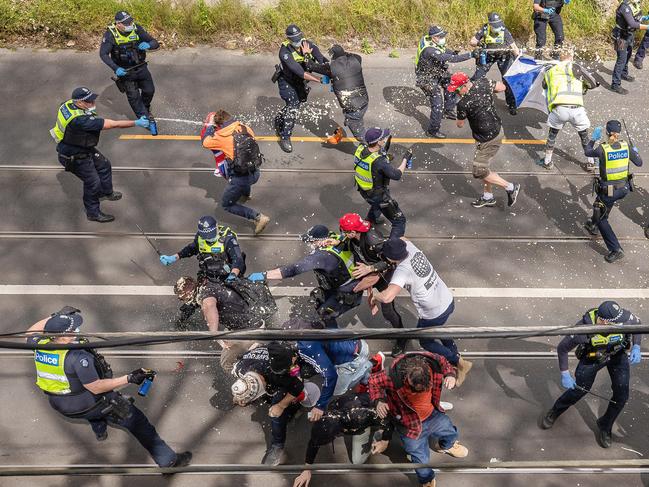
(458, 80)
(353, 222)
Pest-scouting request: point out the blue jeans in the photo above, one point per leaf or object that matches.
(437, 427)
(623, 51)
(140, 427)
(610, 239)
(618, 370)
(445, 347)
(96, 173)
(293, 97)
(237, 187)
(644, 45)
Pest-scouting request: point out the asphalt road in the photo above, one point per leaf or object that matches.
(538, 245)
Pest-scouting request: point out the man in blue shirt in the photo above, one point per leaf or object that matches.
(76, 133)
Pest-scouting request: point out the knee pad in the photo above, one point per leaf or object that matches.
(480, 172)
(583, 135)
(552, 137)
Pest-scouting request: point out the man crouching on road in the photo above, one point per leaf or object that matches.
(410, 392)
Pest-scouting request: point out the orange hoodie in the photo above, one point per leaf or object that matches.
(223, 139)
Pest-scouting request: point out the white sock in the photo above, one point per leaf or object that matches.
(509, 187)
(488, 196)
(548, 157)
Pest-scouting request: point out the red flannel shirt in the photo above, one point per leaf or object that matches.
(387, 386)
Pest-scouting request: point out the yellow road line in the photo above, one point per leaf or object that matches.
(396, 140)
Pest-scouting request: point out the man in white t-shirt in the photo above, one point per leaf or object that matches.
(432, 299)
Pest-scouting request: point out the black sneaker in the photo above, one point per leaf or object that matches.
(480, 202)
(613, 256)
(513, 111)
(101, 436)
(591, 227)
(541, 162)
(285, 145)
(628, 78)
(114, 196)
(274, 456)
(619, 90)
(101, 218)
(603, 438)
(182, 459)
(637, 63)
(450, 115)
(548, 419)
(436, 135)
(399, 347)
(513, 194)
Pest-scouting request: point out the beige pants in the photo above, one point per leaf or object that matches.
(484, 152)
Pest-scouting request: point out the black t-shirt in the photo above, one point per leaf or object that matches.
(256, 360)
(477, 106)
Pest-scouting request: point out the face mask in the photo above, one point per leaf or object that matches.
(129, 28)
(91, 110)
(441, 42)
(297, 44)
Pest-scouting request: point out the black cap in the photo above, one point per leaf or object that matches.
(613, 127)
(495, 20)
(60, 323)
(395, 249)
(612, 312)
(280, 357)
(436, 31)
(316, 232)
(123, 17)
(293, 33)
(336, 51)
(83, 94)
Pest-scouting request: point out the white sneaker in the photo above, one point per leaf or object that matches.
(446, 406)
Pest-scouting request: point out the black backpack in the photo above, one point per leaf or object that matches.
(260, 305)
(247, 157)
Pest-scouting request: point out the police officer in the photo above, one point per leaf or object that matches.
(123, 49)
(292, 80)
(431, 68)
(346, 73)
(366, 244)
(79, 384)
(548, 12)
(594, 353)
(372, 175)
(77, 133)
(332, 265)
(219, 255)
(614, 182)
(627, 21)
(498, 46)
(644, 45)
(565, 84)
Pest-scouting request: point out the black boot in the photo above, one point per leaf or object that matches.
(101, 218)
(548, 419)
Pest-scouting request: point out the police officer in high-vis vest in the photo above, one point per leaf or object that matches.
(565, 84)
(548, 12)
(123, 49)
(332, 265)
(431, 69)
(76, 133)
(498, 47)
(627, 22)
(596, 352)
(372, 175)
(292, 80)
(219, 255)
(614, 182)
(79, 384)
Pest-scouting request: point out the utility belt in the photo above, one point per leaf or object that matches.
(121, 82)
(118, 407)
(318, 295)
(592, 355)
(607, 188)
(70, 161)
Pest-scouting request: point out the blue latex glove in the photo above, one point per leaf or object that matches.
(142, 122)
(567, 380)
(597, 133)
(257, 277)
(231, 277)
(120, 72)
(143, 46)
(325, 80)
(644, 18)
(635, 356)
(549, 11)
(566, 2)
(168, 259)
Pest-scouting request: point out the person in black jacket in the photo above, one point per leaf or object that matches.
(548, 12)
(351, 414)
(627, 21)
(346, 73)
(292, 80)
(123, 49)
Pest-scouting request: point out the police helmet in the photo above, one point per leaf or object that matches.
(207, 227)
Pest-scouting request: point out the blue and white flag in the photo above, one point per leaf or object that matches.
(525, 77)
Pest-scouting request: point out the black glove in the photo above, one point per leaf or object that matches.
(67, 310)
(138, 375)
(475, 54)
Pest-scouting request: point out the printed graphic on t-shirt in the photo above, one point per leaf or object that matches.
(420, 264)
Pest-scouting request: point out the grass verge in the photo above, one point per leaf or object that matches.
(365, 24)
